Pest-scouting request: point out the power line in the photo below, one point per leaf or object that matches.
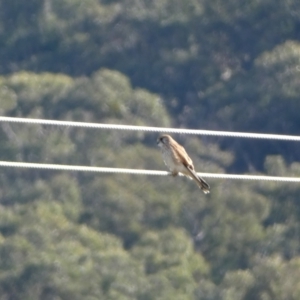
(140, 172)
(152, 129)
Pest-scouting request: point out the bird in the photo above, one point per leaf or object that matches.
(178, 161)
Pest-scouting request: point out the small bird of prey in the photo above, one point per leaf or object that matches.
(178, 161)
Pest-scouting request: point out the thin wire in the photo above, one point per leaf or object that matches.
(152, 129)
(140, 172)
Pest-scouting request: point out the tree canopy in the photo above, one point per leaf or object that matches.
(205, 64)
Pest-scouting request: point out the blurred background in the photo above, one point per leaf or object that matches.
(203, 64)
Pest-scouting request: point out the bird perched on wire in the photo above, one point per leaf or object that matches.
(178, 161)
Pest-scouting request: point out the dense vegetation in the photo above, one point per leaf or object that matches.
(206, 64)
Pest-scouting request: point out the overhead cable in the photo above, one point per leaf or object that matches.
(152, 129)
(140, 172)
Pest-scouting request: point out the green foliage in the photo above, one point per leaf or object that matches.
(199, 64)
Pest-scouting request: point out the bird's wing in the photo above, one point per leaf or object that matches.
(183, 156)
(200, 181)
(192, 173)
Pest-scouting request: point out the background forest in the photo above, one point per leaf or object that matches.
(207, 64)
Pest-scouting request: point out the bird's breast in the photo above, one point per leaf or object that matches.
(170, 160)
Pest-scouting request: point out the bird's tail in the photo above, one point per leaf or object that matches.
(203, 185)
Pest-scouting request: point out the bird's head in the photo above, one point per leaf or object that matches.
(163, 140)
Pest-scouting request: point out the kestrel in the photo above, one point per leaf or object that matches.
(178, 161)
